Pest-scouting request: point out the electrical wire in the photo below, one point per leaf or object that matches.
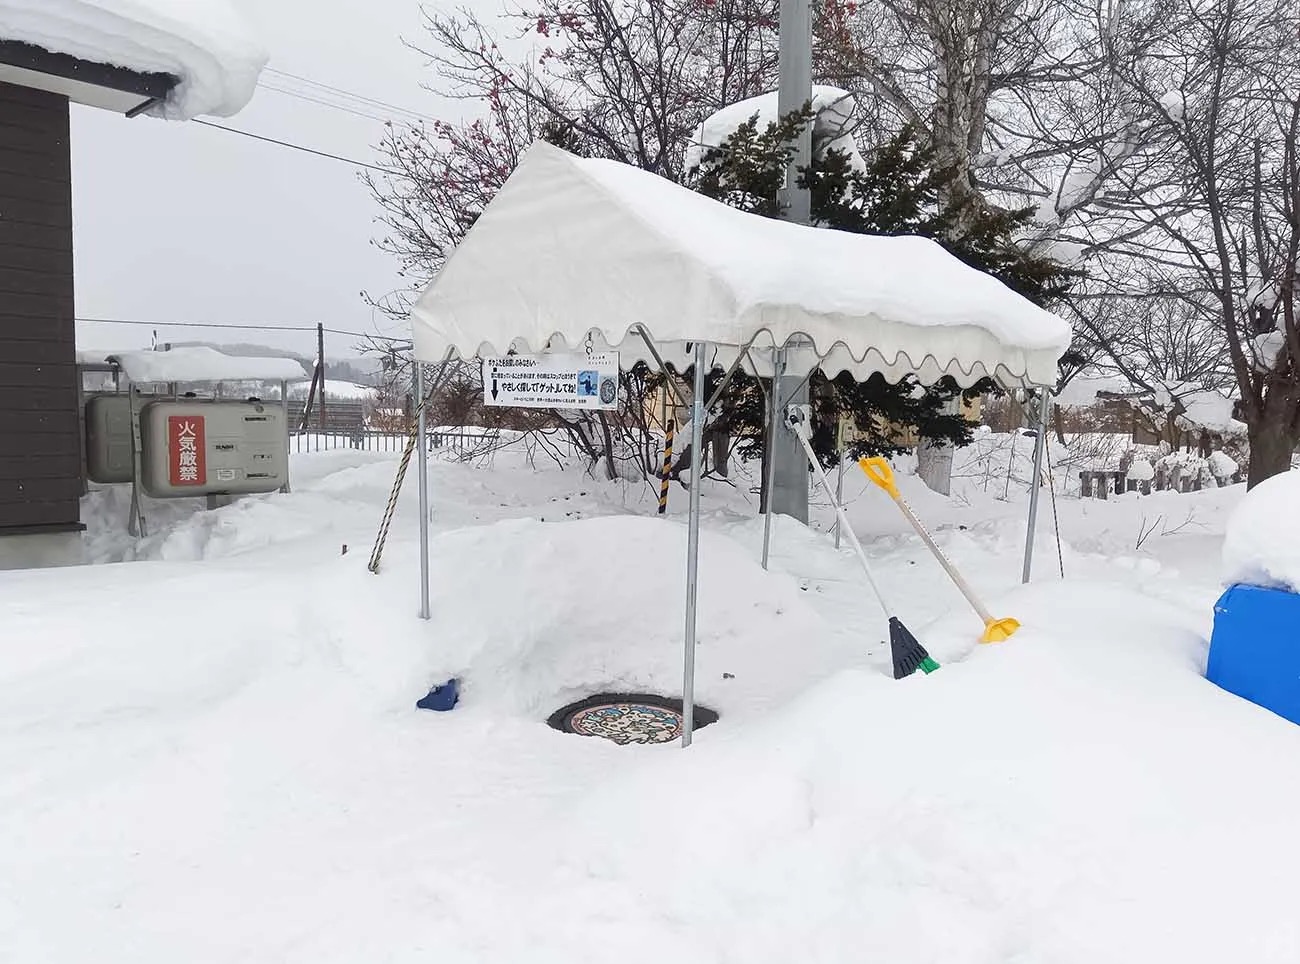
(211, 324)
(355, 112)
(373, 102)
(297, 147)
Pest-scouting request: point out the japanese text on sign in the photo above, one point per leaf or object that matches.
(186, 455)
(552, 381)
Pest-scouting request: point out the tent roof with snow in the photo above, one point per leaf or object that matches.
(571, 248)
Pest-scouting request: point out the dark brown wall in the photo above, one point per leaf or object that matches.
(40, 445)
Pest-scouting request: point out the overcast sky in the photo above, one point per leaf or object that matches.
(179, 222)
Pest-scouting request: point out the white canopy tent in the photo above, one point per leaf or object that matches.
(576, 252)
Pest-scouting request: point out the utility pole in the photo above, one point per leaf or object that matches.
(790, 466)
(320, 361)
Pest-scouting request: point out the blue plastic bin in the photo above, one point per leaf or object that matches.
(1255, 649)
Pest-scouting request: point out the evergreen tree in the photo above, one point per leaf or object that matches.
(896, 194)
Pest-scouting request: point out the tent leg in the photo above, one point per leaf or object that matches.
(1040, 443)
(693, 548)
(839, 479)
(769, 465)
(422, 473)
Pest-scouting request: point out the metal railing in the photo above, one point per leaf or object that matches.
(453, 440)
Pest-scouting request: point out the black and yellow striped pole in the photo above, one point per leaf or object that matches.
(668, 467)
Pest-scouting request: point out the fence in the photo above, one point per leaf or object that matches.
(457, 441)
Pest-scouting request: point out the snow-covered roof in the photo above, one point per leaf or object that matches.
(204, 43)
(202, 364)
(832, 123)
(570, 247)
(1082, 391)
(1210, 410)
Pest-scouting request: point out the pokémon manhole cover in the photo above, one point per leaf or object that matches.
(628, 718)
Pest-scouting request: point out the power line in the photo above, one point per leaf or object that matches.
(325, 103)
(213, 324)
(193, 324)
(347, 93)
(297, 147)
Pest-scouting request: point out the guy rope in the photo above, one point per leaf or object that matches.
(411, 441)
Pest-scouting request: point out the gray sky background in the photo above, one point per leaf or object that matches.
(179, 222)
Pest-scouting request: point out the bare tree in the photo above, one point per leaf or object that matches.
(1020, 99)
(1212, 206)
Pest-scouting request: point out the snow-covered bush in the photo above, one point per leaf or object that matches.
(1223, 467)
(1141, 471)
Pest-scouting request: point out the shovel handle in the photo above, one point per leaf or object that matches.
(879, 471)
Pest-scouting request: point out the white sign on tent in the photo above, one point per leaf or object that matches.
(552, 381)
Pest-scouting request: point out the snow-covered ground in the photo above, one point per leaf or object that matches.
(211, 754)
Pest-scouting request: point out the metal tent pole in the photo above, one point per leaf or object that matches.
(769, 461)
(422, 473)
(1040, 443)
(839, 480)
(693, 547)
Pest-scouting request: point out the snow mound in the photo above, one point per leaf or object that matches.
(534, 614)
(866, 811)
(1262, 544)
(204, 43)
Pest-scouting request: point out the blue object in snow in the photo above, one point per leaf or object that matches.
(1255, 649)
(442, 697)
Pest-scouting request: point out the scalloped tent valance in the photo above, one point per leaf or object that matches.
(572, 250)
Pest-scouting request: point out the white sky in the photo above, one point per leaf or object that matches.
(179, 222)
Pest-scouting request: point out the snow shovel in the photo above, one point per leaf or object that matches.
(995, 630)
(905, 649)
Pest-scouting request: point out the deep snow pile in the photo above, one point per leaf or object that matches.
(204, 43)
(218, 760)
(1262, 543)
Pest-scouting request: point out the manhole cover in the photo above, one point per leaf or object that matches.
(627, 718)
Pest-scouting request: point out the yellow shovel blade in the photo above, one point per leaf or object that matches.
(880, 472)
(999, 630)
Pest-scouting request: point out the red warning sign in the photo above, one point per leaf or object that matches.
(186, 461)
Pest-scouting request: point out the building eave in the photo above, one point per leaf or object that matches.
(103, 86)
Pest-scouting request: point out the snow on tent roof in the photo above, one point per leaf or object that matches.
(575, 247)
(832, 119)
(203, 364)
(204, 43)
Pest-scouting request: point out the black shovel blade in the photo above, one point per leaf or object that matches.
(908, 653)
